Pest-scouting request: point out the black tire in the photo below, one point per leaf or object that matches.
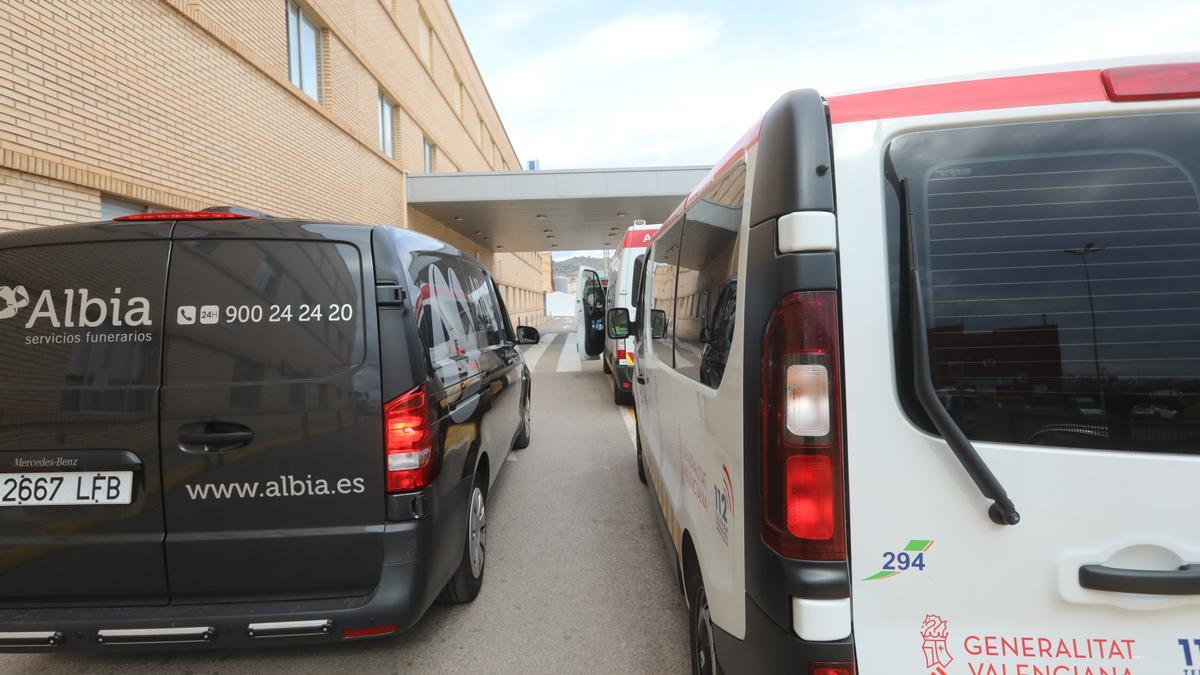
(700, 628)
(641, 467)
(607, 368)
(522, 441)
(468, 578)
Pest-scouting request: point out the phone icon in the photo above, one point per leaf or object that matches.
(186, 315)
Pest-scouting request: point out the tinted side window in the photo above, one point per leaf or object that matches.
(662, 274)
(704, 307)
(636, 281)
(1062, 288)
(443, 318)
(485, 312)
(243, 311)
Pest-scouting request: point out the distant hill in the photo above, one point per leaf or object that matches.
(569, 268)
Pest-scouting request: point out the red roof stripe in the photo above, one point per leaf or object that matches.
(994, 93)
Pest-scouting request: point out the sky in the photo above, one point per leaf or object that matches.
(622, 84)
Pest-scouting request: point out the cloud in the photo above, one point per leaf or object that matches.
(660, 88)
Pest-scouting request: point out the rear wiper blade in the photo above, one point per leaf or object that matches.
(1002, 511)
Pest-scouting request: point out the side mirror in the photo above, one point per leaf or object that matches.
(658, 324)
(528, 335)
(619, 325)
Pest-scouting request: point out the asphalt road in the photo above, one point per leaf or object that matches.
(577, 578)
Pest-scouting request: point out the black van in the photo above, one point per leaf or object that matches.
(225, 430)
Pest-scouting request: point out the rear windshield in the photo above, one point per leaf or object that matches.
(247, 311)
(1063, 279)
(83, 322)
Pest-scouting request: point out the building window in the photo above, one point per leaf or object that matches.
(387, 125)
(459, 96)
(430, 156)
(303, 47)
(425, 40)
(113, 207)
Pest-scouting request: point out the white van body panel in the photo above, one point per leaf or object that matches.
(985, 581)
(692, 436)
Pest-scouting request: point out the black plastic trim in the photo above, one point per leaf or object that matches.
(793, 172)
(772, 580)
(409, 506)
(770, 649)
(409, 583)
(402, 356)
(793, 169)
(1183, 581)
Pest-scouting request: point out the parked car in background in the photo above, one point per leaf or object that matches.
(219, 430)
(884, 322)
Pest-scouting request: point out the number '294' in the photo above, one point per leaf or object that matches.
(903, 560)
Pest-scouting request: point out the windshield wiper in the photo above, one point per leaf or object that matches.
(1002, 511)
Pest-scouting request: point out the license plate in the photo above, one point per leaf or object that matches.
(66, 488)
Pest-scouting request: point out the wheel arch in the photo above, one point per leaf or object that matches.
(689, 566)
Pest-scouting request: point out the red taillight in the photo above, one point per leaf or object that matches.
(409, 441)
(374, 631)
(185, 215)
(831, 669)
(1152, 83)
(803, 476)
(810, 497)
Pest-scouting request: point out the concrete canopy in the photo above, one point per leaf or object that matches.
(551, 210)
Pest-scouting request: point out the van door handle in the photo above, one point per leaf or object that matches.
(1183, 581)
(205, 437)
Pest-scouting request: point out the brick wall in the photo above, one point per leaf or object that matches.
(30, 201)
(187, 103)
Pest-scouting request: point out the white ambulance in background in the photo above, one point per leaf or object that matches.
(624, 267)
(896, 358)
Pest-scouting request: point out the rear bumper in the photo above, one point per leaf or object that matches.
(624, 377)
(407, 586)
(769, 648)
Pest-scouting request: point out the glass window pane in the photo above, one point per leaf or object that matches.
(1063, 298)
(662, 303)
(280, 310)
(74, 344)
(309, 38)
(386, 125)
(112, 207)
(705, 299)
(293, 17)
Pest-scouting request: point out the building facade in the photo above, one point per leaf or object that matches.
(317, 109)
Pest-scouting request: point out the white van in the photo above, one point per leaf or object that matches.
(901, 345)
(624, 268)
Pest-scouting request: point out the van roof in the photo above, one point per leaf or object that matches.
(250, 228)
(1077, 82)
(1057, 84)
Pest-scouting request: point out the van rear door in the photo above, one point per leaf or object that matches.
(271, 428)
(589, 314)
(1063, 319)
(81, 519)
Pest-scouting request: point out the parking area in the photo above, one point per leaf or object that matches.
(577, 577)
